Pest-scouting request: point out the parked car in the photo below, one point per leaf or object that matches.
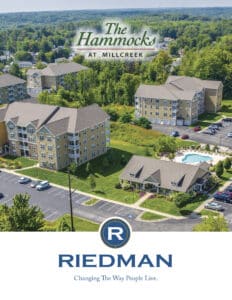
(24, 180)
(208, 131)
(1, 195)
(219, 124)
(43, 186)
(227, 120)
(35, 183)
(221, 196)
(229, 189)
(175, 133)
(229, 134)
(214, 206)
(185, 137)
(197, 128)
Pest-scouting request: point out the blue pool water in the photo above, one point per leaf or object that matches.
(195, 158)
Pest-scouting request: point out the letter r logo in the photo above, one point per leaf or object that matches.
(115, 232)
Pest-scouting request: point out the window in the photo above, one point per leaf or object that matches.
(50, 148)
(50, 157)
(43, 155)
(41, 137)
(42, 147)
(49, 139)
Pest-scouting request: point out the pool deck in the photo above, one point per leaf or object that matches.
(215, 157)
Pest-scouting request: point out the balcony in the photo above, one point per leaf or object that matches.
(21, 139)
(73, 147)
(73, 138)
(74, 155)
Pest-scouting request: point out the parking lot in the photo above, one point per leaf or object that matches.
(220, 138)
(54, 201)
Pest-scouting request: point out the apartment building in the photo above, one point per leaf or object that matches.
(56, 136)
(51, 77)
(12, 88)
(179, 101)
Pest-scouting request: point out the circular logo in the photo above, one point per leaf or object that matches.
(115, 232)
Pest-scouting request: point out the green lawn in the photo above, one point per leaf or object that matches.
(13, 162)
(79, 224)
(105, 176)
(162, 204)
(147, 216)
(206, 212)
(91, 201)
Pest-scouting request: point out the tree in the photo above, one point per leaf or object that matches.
(23, 55)
(212, 224)
(15, 70)
(219, 169)
(143, 122)
(63, 225)
(227, 163)
(92, 182)
(126, 118)
(207, 147)
(165, 144)
(181, 199)
(105, 163)
(23, 217)
(73, 168)
(88, 168)
(4, 218)
(160, 67)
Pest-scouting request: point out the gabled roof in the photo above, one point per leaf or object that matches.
(8, 80)
(57, 69)
(57, 119)
(169, 175)
(26, 113)
(3, 113)
(176, 87)
(78, 119)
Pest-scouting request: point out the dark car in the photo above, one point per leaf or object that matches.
(220, 196)
(197, 128)
(185, 137)
(174, 133)
(229, 188)
(1, 195)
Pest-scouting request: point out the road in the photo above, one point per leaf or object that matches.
(54, 202)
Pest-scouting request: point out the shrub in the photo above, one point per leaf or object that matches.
(118, 185)
(227, 163)
(219, 169)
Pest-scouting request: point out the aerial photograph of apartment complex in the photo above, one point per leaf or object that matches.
(95, 122)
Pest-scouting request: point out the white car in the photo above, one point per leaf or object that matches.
(43, 186)
(229, 134)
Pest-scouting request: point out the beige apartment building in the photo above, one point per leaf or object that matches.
(12, 88)
(179, 101)
(51, 77)
(56, 136)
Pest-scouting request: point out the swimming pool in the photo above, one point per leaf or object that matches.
(195, 158)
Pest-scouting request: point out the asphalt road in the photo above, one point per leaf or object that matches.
(219, 139)
(54, 202)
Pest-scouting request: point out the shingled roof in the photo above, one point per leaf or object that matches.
(166, 174)
(57, 119)
(57, 69)
(8, 80)
(176, 87)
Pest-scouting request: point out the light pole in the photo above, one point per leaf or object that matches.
(70, 200)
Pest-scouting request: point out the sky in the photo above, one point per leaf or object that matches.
(46, 5)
